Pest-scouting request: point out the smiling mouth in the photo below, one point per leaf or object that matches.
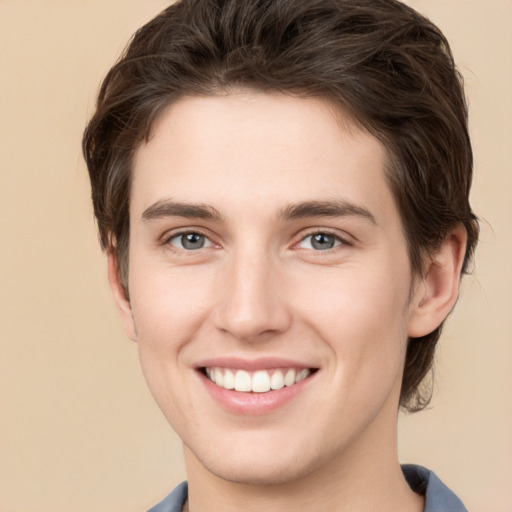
(260, 381)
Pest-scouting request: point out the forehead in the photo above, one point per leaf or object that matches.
(255, 148)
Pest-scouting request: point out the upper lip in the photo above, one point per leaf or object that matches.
(263, 363)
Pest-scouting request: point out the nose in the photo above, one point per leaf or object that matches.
(252, 303)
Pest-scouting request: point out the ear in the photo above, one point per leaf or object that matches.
(120, 299)
(436, 293)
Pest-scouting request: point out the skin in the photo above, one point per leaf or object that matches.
(259, 288)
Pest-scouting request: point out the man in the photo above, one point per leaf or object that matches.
(282, 191)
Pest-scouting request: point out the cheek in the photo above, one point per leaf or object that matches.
(362, 316)
(169, 305)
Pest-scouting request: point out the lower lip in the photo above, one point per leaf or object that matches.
(254, 404)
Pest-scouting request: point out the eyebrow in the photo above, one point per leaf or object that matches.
(333, 208)
(301, 210)
(169, 208)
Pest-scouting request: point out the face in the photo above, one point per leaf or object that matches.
(267, 255)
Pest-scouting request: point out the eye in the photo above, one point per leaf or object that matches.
(190, 241)
(320, 242)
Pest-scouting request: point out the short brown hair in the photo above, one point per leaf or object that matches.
(386, 65)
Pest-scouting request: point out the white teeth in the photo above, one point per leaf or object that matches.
(242, 381)
(302, 375)
(277, 380)
(289, 378)
(260, 381)
(219, 377)
(229, 380)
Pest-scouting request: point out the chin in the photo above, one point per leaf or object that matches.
(247, 473)
(260, 465)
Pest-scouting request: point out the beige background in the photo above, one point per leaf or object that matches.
(78, 430)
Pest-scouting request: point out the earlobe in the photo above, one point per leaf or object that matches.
(120, 299)
(437, 292)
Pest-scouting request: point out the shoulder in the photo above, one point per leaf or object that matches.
(173, 502)
(438, 498)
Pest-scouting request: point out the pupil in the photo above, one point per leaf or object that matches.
(192, 241)
(322, 242)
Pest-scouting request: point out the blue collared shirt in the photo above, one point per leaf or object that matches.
(438, 498)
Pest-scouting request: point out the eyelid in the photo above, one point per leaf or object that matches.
(207, 241)
(344, 240)
(166, 238)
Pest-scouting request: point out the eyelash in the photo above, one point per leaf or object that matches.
(339, 241)
(168, 239)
